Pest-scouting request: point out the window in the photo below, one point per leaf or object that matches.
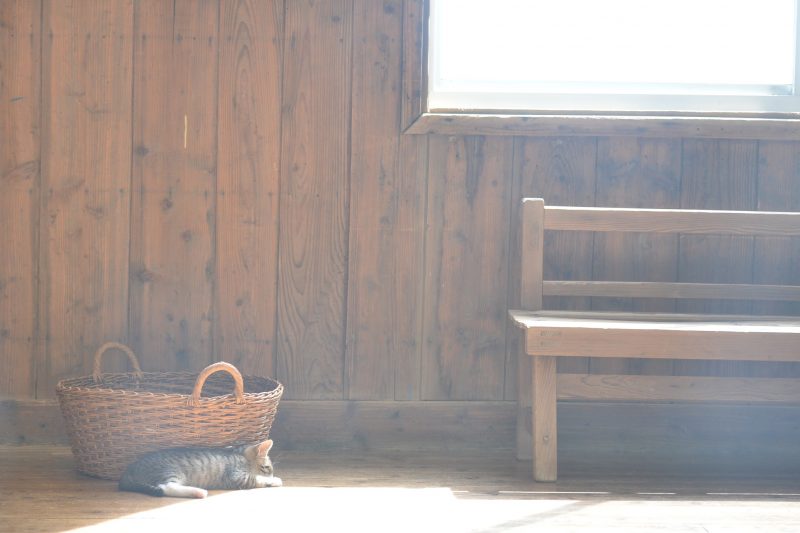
(614, 56)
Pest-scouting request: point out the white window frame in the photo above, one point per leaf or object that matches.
(622, 103)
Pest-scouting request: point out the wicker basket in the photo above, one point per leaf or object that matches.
(113, 418)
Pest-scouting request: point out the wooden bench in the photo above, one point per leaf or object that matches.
(552, 334)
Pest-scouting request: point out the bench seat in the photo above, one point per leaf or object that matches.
(667, 336)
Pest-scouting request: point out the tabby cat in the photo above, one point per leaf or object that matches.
(188, 472)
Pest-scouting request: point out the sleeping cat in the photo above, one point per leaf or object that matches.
(188, 472)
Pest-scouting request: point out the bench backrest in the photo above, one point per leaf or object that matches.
(538, 217)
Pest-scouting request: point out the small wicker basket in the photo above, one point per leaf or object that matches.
(113, 418)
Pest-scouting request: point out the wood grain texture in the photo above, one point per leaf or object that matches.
(544, 429)
(775, 260)
(529, 296)
(248, 183)
(20, 43)
(414, 74)
(390, 426)
(413, 175)
(598, 125)
(466, 269)
(636, 173)
(315, 153)
(691, 437)
(384, 234)
(85, 222)
(174, 169)
(677, 389)
(517, 368)
(638, 290)
(562, 171)
(663, 340)
(532, 254)
(29, 421)
(688, 221)
(716, 175)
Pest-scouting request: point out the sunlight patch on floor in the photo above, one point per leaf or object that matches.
(440, 509)
(331, 509)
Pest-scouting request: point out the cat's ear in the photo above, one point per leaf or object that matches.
(264, 448)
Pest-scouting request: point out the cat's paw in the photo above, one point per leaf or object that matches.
(200, 493)
(268, 481)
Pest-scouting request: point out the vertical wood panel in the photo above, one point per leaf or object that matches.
(385, 233)
(314, 197)
(777, 260)
(20, 56)
(643, 173)
(174, 167)
(469, 183)
(513, 334)
(562, 171)
(716, 175)
(251, 39)
(413, 100)
(411, 278)
(86, 112)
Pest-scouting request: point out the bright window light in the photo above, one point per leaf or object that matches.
(614, 55)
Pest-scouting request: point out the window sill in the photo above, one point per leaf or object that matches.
(714, 127)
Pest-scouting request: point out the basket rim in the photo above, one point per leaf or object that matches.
(65, 385)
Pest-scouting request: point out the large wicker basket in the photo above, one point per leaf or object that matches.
(113, 418)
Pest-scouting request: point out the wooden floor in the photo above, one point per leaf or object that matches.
(40, 492)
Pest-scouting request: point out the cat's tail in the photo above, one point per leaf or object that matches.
(133, 486)
(172, 488)
(176, 490)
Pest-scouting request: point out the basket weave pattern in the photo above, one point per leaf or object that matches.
(113, 418)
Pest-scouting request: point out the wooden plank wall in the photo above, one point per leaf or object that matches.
(226, 179)
(20, 108)
(84, 222)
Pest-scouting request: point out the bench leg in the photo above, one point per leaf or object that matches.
(543, 382)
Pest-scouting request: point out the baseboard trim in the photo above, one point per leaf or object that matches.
(625, 437)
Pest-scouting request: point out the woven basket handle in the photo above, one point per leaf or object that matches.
(238, 389)
(97, 376)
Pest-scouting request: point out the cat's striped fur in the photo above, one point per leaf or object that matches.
(188, 472)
